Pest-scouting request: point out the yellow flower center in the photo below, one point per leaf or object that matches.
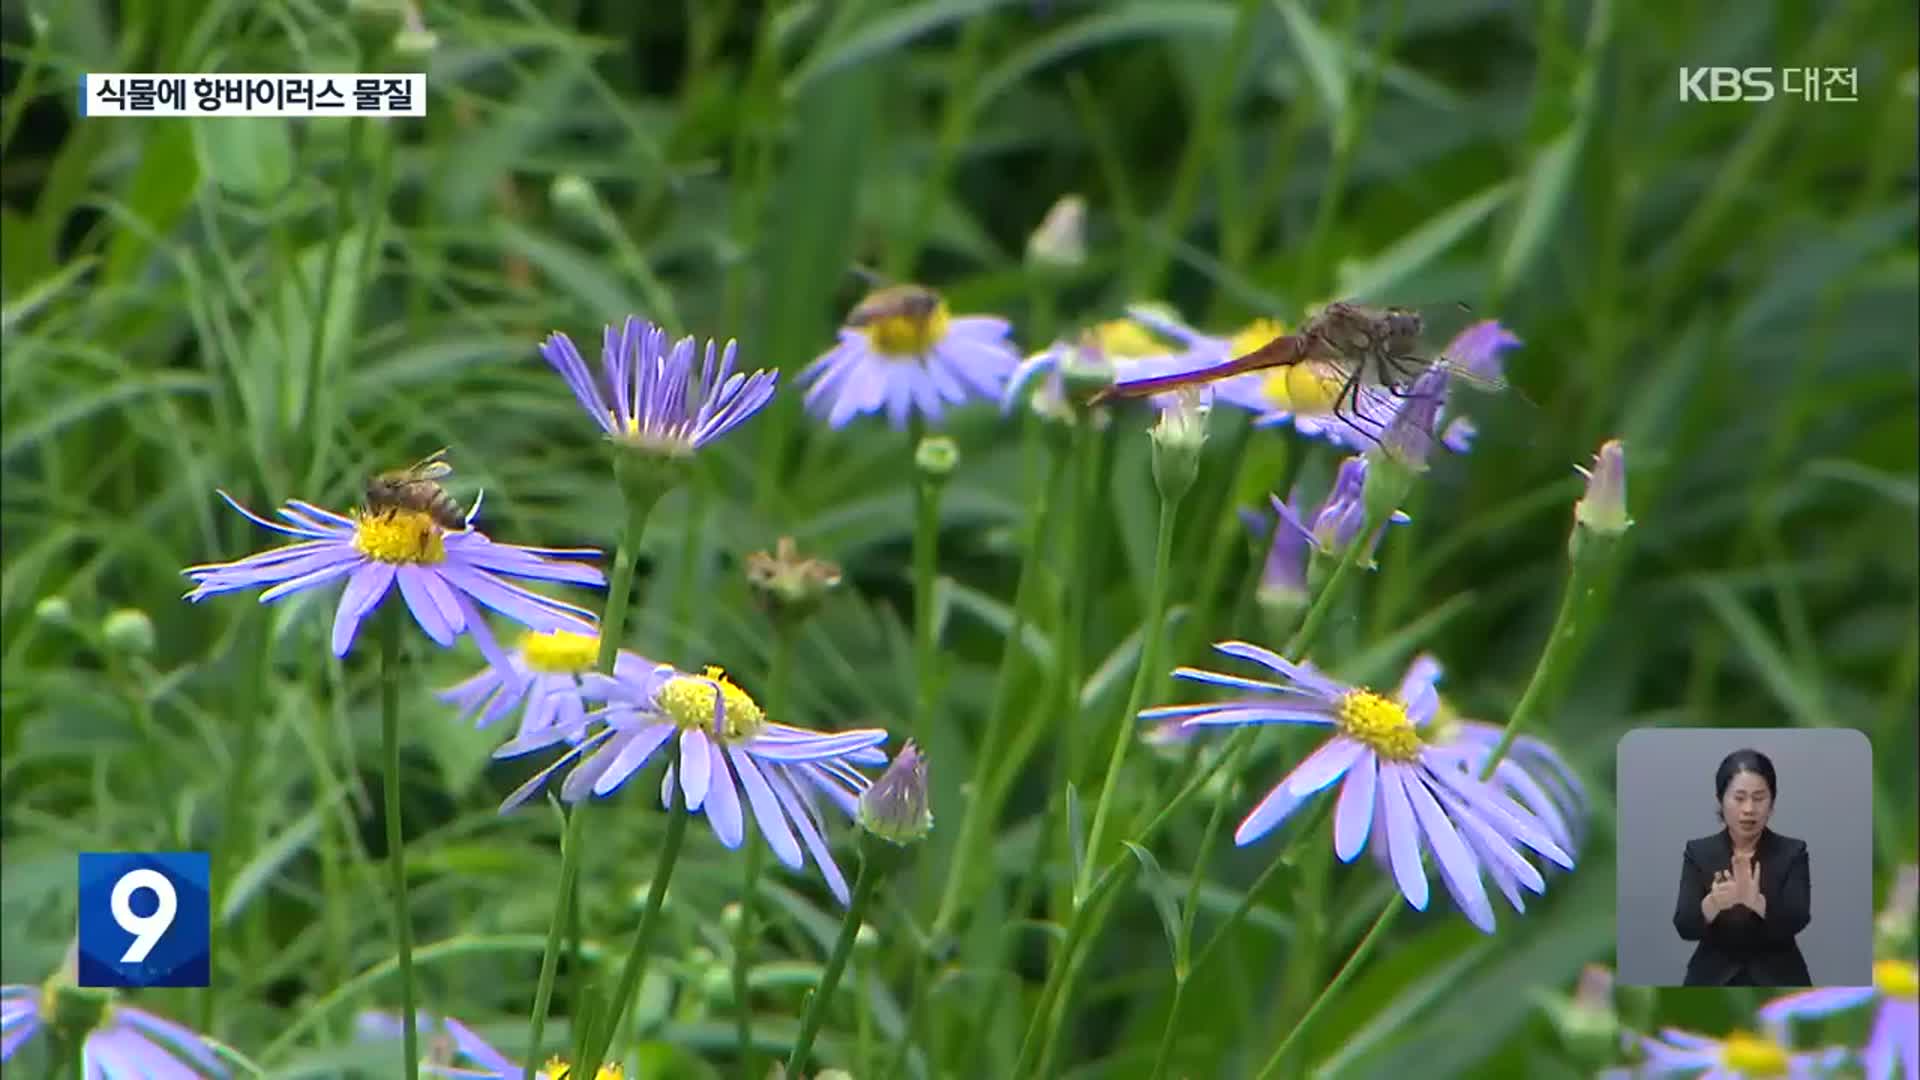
(398, 536)
(557, 1069)
(1380, 722)
(1255, 334)
(908, 336)
(1124, 339)
(1897, 978)
(1753, 1055)
(561, 652)
(1311, 389)
(688, 701)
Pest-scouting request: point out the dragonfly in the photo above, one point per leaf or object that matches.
(1366, 359)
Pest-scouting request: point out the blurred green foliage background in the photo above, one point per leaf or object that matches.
(275, 307)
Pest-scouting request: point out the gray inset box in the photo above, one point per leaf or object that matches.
(1665, 786)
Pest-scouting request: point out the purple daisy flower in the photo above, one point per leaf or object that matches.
(541, 679)
(126, 1044)
(659, 403)
(1740, 1056)
(1532, 771)
(728, 747)
(1401, 793)
(441, 573)
(1895, 1036)
(455, 1050)
(902, 350)
(1106, 352)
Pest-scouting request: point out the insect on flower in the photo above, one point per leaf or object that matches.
(1361, 361)
(901, 350)
(417, 488)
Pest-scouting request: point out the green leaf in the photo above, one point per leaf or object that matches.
(1154, 881)
(1383, 274)
(999, 617)
(247, 156)
(1548, 183)
(1152, 21)
(1076, 832)
(271, 860)
(1321, 56)
(161, 189)
(882, 37)
(43, 292)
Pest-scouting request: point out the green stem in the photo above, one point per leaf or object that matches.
(863, 886)
(1143, 677)
(612, 632)
(636, 964)
(1198, 150)
(984, 806)
(571, 841)
(1346, 972)
(777, 706)
(1183, 970)
(396, 850)
(1580, 609)
(1323, 603)
(926, 546)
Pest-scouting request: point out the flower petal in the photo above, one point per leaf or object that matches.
(766, 808)
(1353, 814)
(1403, 835)
(364, 591)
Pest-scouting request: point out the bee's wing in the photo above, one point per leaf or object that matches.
(432, 467)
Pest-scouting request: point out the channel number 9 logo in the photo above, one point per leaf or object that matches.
(145, 918)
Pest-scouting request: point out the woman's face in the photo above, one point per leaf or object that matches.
(1746, 806)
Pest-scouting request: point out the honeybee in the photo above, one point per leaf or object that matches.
(417, 488)
(915, 302)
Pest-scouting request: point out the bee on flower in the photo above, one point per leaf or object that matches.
(443, 575)
(902, 351)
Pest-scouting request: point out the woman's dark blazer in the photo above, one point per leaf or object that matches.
(1739, 945)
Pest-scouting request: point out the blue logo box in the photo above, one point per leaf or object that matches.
(146, 918)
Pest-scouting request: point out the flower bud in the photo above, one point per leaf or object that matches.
(1178, 437)
(1060, 242)
(128, 631)
(412, 44)
(1604, 508)
(574, 199)
(936, 457)
(895, 808)
(54, 610)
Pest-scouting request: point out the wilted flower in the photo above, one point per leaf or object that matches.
(902, 350)
(542, 677)
(441, 573)
(659, 404)
(1603, 509)
(1895, 1036)
(727, 746)
(1401, 793)
(792, 584)
(123, 1043)
(896, 807)
(1740, 1056)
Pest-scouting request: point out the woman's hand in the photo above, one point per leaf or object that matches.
(1746, 885)
(1722, 896)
